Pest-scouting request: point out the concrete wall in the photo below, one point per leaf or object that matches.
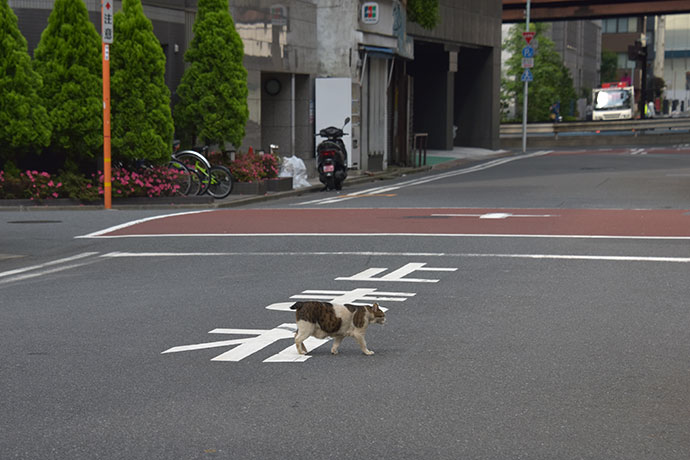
(475, 22)
(336, 38)
(457, 75)
(277, 49)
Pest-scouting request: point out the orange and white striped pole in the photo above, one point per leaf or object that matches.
(107, 31)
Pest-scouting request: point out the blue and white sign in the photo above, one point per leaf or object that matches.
(527, 75)
(528, 52)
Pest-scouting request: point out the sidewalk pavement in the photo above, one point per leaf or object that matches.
(435, 159)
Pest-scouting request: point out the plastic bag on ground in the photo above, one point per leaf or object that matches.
(294, 167)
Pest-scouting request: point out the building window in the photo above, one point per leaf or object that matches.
(619, 25)
(610, 26)
(624, 62)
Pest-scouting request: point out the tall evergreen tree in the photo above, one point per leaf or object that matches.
(609, 66)
(68, 57)
(23, 118)
(142, 125)
(552, 81)
(212, 105)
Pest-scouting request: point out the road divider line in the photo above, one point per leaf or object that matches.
(578, 257)
(37, 274)
(47, 264)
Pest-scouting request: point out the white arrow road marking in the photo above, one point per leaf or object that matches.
(248, 346)
(495, 215)
(396, 275)
(290, 355)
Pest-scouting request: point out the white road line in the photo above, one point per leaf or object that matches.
(135, 222)
(47, 264)
(432, 235)
(44, 269)
(419, 254)
(413, 182)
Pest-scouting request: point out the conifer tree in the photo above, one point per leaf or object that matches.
(24, 121)
(212, 106)
(68, 58)
(142, 126)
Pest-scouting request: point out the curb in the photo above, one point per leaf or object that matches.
(362, 178)
(207, 202)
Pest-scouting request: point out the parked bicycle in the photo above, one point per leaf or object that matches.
(216, 180)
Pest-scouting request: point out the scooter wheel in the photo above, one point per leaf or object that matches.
(330, 183)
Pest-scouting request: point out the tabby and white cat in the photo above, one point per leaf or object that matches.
(324, 319)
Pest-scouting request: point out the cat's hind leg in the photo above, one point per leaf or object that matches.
(304, 330)
(336, 343)
(362, 344)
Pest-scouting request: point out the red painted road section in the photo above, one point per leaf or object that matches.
(585, 222)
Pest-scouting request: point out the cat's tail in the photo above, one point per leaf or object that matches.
(297, 306)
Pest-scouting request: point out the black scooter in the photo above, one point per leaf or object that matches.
(332, 157)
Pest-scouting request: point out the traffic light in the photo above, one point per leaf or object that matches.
(637, 52)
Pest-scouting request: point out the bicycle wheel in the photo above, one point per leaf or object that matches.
(221, 182)
(196, 162)
(196, 184)
(181, 177)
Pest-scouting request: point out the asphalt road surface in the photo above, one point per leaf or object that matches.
(537, 308)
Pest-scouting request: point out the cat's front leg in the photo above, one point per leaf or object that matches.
(363, 344)
(336, 344)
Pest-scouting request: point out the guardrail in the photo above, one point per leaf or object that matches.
(634, 126)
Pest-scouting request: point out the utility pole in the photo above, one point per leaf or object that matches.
(524, 99)
(107, 31)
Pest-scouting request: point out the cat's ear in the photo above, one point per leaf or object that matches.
(376, 306)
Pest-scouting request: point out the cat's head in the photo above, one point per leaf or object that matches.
(376, 315)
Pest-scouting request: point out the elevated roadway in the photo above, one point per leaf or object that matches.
(560, 10)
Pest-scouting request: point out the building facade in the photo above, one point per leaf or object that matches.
(403, 79)
(676, 64)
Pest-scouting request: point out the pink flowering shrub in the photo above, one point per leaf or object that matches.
(271, 165)
(158, 181)
(252, 167)
(40, 186)
(33, 185)
(246, 167)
